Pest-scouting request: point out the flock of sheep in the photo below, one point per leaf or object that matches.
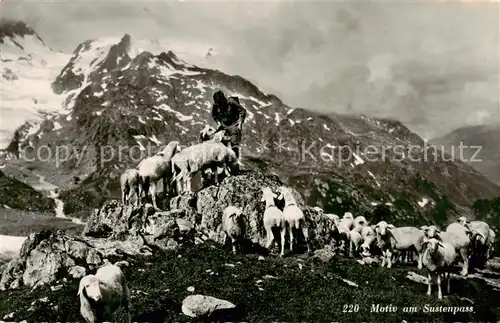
(103, 293)
(211, 157)
(436, 250)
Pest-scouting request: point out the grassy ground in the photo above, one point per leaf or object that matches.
(22, 223)
(313, 293)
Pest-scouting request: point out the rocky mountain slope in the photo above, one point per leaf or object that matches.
(20, 196)
(27, 64)
(123, 104)
(487, 159)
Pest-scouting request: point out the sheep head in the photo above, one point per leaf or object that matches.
(424, 228)
(431, 231)
(267, 193)
(348, 215)
(381, 228)
(365, 248)
(318, 209)
(90, 288)
(170, 150)
(432, 245)
(361, 220)
(236, 214)
(283, 192)
(463, 220)
(206, 132)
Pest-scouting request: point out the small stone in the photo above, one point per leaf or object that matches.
(200, 305)
(190, 289)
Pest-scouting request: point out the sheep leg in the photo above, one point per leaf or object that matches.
(389, 258)
(153, 195)
(420, 256)
(429, 282)
(126, 302)
(216, 175)
(269, 238)
(137, 194)
(166, 188)
(187, 183)
(233, 243)
(145, 189)
(465, 268)
(351, 243)
(440, 295)
(291, 237)
(305, 232)
(383, 258)
(124, 194)
(283, 235)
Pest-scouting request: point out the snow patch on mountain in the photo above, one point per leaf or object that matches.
(27, 71)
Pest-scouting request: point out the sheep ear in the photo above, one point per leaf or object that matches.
(80, 289)
(390, 226)
(280, 197)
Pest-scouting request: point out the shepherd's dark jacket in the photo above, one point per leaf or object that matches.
(229, 115)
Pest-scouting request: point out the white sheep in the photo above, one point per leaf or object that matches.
(354, 242)
(438, 257)
(390, 239)
(129, 183)
(458, 236)
(294, 217)
(232, 226)
(480, 232)
(157, 167)
(273, 219)
(359, 222)
(104, 293)
(206, 155)
(368, 236)
(208, 134)
(345, 225)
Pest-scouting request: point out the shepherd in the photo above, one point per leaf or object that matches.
(229, 115)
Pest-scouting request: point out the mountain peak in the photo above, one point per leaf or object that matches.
(12, 28)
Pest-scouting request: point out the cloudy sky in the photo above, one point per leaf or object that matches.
(434, 66)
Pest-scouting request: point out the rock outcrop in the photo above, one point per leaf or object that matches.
(198, 215)
(48, 256)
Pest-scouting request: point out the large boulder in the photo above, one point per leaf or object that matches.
(199, 215)
(135, 227)
(47, 256)
(245, 190)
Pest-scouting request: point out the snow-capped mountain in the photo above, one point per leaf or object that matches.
(28, 68)
(120, 94)
(484, 138)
